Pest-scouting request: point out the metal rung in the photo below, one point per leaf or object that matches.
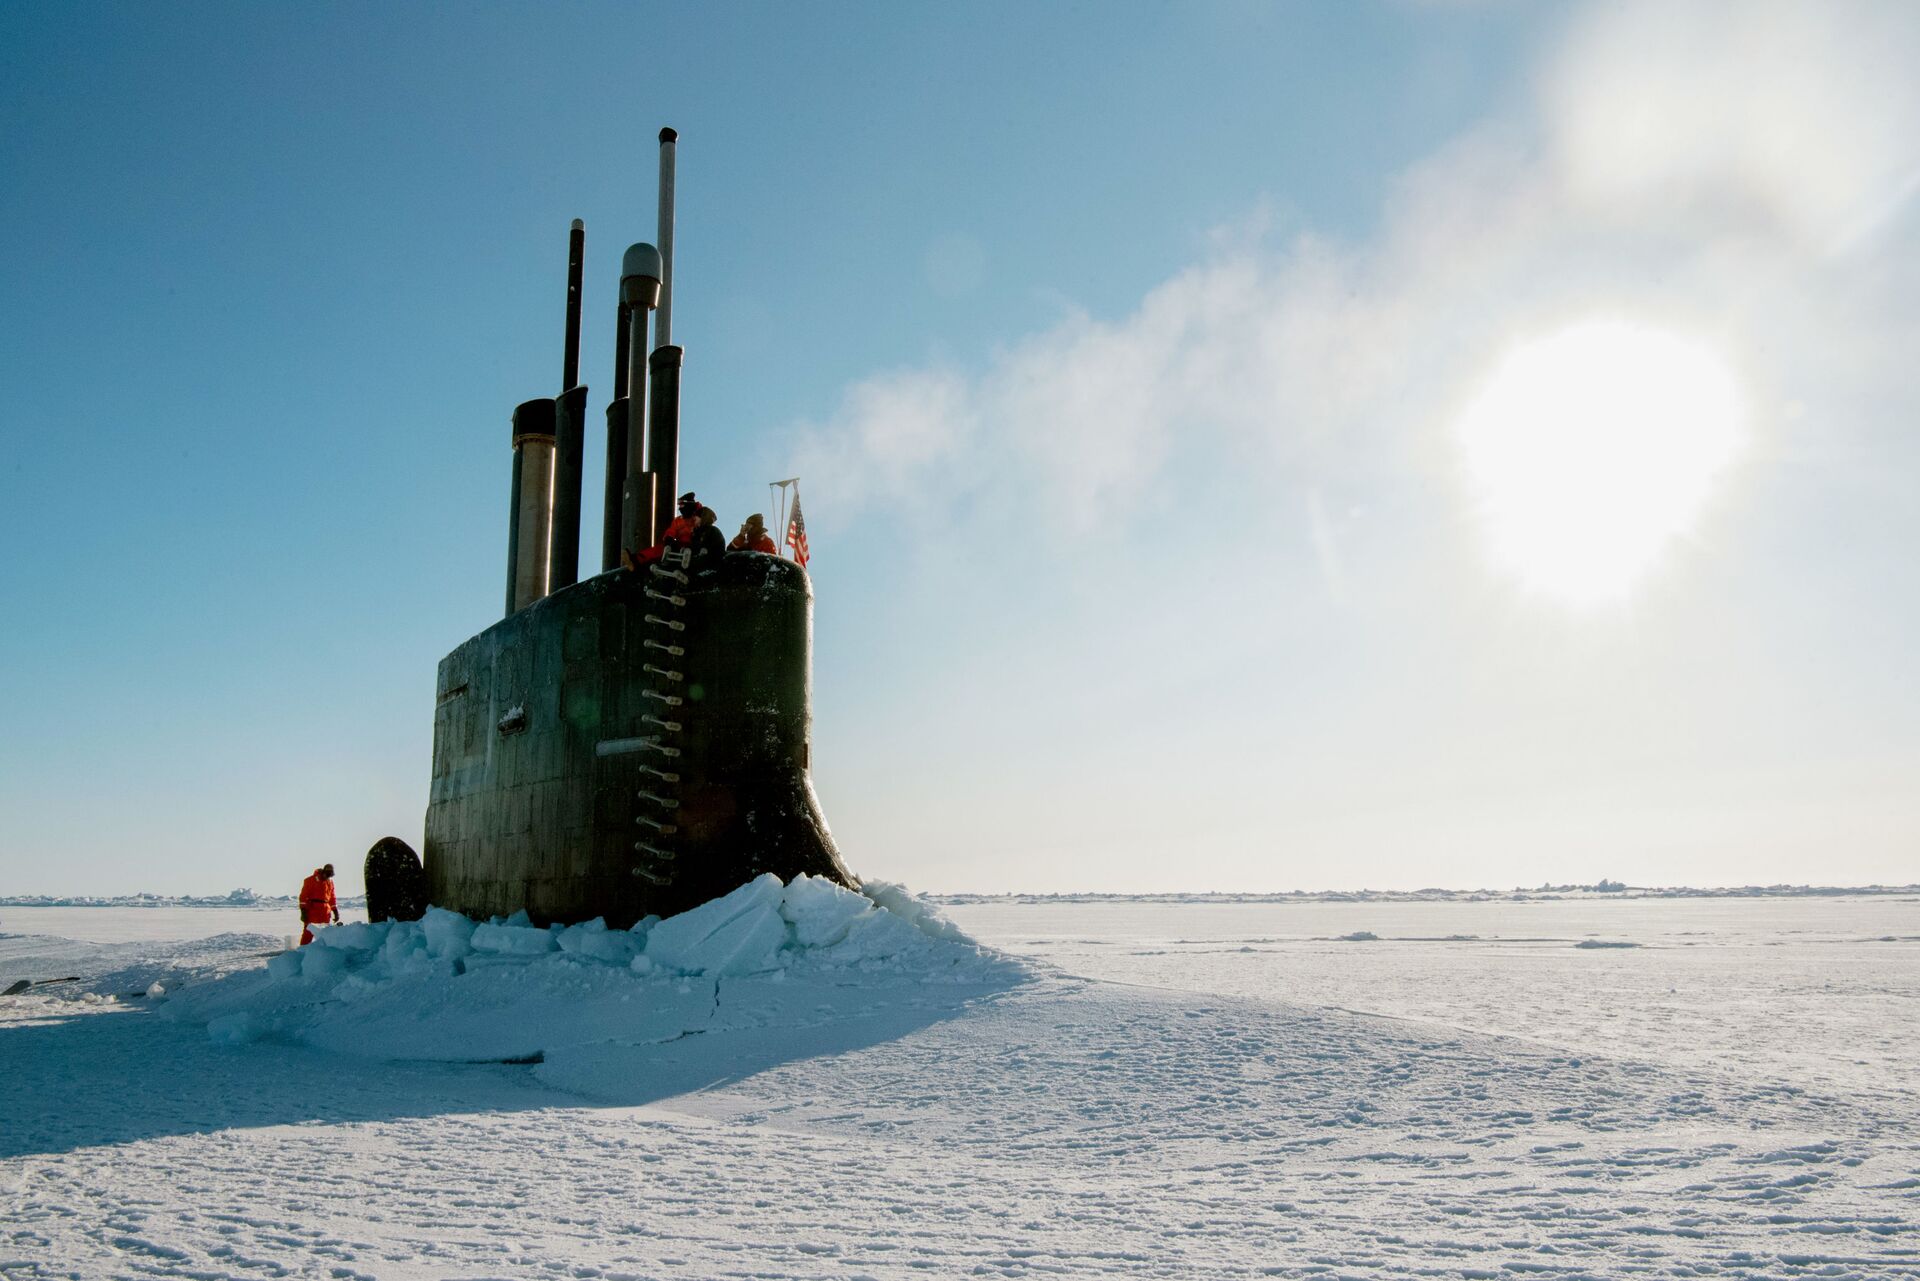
(658, 621)
(677, 555)
(651, 875)
(674, 574)
(671, 700)
(665, 829)
(665, 856)
(655, 745)
(661, 671)
(666, 801)
(665, 596)
(664, 776)
(669, 726)
(673, 651)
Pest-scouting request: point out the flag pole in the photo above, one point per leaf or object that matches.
(781, 485)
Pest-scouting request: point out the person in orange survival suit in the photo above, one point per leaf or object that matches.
(678, 533)
(317, 905)
(753, 537)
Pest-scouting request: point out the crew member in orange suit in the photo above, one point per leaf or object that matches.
(317, 905)
(753, 537)
(679, 533)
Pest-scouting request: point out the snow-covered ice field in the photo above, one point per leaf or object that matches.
(1814, 991)
(1155, 1090)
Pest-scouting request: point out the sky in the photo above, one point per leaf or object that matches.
(1246, 447)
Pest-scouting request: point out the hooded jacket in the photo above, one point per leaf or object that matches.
(317, 905)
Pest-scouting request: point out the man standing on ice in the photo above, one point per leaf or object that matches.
(317, 905)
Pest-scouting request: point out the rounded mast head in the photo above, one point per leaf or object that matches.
(640, 275)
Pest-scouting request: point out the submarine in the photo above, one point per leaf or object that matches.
(637, 742)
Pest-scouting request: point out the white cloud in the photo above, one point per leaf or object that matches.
(1731, 174)
(1782, 120)
(1694, 165)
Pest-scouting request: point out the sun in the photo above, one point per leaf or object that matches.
(1589, 451)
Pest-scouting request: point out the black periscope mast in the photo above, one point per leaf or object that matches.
(633, 744)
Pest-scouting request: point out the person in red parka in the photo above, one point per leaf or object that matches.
(678, 533)
(753, 537)
(317, 905)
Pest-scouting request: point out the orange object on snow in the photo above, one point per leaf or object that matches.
(317, 904)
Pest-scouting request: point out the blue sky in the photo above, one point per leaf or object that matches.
(1122, 349)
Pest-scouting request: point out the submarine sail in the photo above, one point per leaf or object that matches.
(638, 742)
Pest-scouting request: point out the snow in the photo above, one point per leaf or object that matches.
(237, 898)
(583, 1001)
(594, 941)
(741, 933)
(1150, 1090)
(169, 924)
(1821, 993)
(447, 934)
(819, 914)
(502, 940)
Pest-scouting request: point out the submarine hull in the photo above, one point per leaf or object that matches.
(631, 745)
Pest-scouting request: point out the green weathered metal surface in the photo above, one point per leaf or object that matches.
(539, 783)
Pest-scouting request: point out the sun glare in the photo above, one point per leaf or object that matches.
(1590, 450)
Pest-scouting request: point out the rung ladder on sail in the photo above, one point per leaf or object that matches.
(653, 853)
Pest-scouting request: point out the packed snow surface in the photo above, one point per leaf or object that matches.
(586, 1003)
(796, 1081)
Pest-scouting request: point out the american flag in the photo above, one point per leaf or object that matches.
(797, 531)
